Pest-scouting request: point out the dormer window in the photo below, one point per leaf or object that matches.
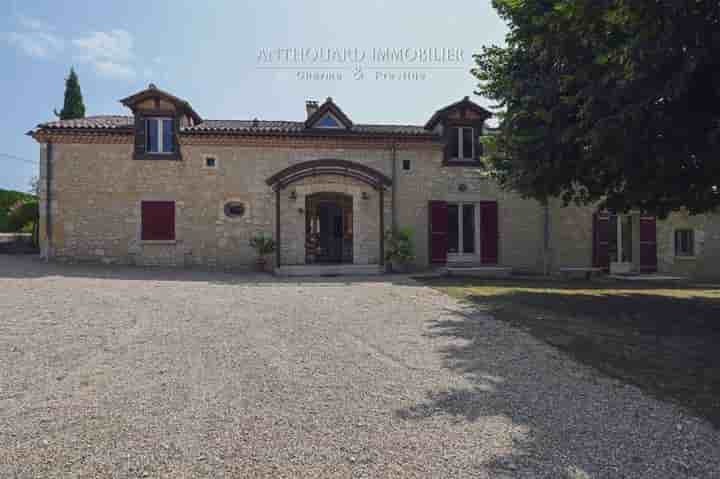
(328, 121)
(159, 135)
(462, 143)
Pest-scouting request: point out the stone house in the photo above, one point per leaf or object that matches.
(165, 186)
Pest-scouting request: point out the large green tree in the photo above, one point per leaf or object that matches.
(611, 101)
(73, 106)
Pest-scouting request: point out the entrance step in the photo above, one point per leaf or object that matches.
(329, 270)
(479, 271)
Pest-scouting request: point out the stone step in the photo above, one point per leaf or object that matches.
(479, 271)
(329, 270)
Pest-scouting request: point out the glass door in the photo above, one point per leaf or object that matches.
(463, 241)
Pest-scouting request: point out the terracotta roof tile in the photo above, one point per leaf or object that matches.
(103, 122)
(116, 122)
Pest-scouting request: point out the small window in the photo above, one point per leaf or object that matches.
(406, 165)
(159, 135)
(158, 221)
(462, 143)
(684, 243)
(234, 209)
(328, 121)
(210, 162)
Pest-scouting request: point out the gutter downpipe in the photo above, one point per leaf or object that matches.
(546, 238)
(48, 200)
(393, 199)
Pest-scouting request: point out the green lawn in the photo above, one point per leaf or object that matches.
(663, 338)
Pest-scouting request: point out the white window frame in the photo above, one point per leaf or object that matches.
(461, 153)
(460, 255)
(160, 122)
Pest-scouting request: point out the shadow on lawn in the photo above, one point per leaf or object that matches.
(560, 419)
(665, 342)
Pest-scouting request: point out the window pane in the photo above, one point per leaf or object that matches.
(168, 137)
(453, 229)
(328, 121)
(468, 228)
(627, 243)
(454, 143)
(467, 136)
(684, 243)
(151, 135)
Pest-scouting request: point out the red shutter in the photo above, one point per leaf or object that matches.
(158, 220)
(601, 241)
(489, 232)
(648, 244)
(438, 231)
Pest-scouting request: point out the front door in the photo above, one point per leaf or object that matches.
(330, 215)
(328, 228)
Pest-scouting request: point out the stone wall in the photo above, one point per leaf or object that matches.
(706, 261)
(98, 190)
(520, 221)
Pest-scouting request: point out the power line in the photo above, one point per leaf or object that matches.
(17, 158)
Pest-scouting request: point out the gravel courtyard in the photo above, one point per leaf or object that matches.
(124, 372)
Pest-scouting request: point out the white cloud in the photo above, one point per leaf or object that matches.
(37, 44)
(114, 70)
(111, 53)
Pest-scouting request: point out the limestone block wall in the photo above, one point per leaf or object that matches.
(706, 261)
(97, 190)
(520, 221)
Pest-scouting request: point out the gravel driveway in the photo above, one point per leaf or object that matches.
(121, 372)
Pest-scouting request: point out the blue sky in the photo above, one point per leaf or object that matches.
(207, 53)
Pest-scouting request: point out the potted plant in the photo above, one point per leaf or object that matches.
(400, 250)
(263, 245)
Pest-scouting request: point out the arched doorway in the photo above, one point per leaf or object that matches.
(343, 214)
(328, 228)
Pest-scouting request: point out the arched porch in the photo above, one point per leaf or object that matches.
(354, 200)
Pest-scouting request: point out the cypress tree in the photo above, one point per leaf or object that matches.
(73, 106)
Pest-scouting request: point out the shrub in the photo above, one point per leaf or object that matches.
(400, 246)
(263, 244)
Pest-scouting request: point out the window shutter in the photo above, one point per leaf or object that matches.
(438, 231)
(601, 241)
(158, 220)
(447, 151)
(489, 232)
(648, 244)
(139, 135)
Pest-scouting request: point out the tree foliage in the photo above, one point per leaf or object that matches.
(611, 101)
(73, 106)
(8, 199)
(23, 214)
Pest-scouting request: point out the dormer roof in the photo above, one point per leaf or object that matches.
(460, 110)
(327, 114)
(152, 92)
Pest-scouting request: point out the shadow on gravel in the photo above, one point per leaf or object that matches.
(664, 342)
(29, 267)
(666, 345)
